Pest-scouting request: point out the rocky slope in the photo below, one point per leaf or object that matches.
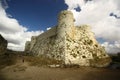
(3, 45)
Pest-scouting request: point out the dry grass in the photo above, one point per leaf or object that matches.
(6, 60)
(23, 71)
(40, 61)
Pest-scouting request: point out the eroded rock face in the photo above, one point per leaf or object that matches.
(3, 45)
(83, 49)
(73, 45)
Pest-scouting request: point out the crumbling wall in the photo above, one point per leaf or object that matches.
(46, 44)
(70, 44)
(84, 50)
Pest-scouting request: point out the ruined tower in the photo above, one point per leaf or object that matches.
(65, 23)
(65, 26)
(73, 45)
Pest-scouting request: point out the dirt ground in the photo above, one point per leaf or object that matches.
(23, 71)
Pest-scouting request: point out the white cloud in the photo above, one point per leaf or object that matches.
(13, 27)
(74, 3)
(97, 14)
(13, 32)
(48, 28)
(112, 47)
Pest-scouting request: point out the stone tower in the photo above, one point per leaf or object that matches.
(65, 23)
(72, 45)
(65, 26)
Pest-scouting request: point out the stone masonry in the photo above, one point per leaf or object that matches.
(73, 45)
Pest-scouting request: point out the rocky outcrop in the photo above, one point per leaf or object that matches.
(73, 45)
(3, 45)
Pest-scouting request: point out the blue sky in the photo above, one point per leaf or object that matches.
(21, 19)
(36, 14)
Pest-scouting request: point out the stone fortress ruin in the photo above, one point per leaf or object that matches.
(73, 45)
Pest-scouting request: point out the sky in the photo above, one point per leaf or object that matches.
(21, 19)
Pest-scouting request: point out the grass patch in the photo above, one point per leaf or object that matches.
(6, 60)
(41, 61)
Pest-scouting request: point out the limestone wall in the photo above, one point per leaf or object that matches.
(83, 49)
(47, 44)
(73, 45)
(48, 33)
